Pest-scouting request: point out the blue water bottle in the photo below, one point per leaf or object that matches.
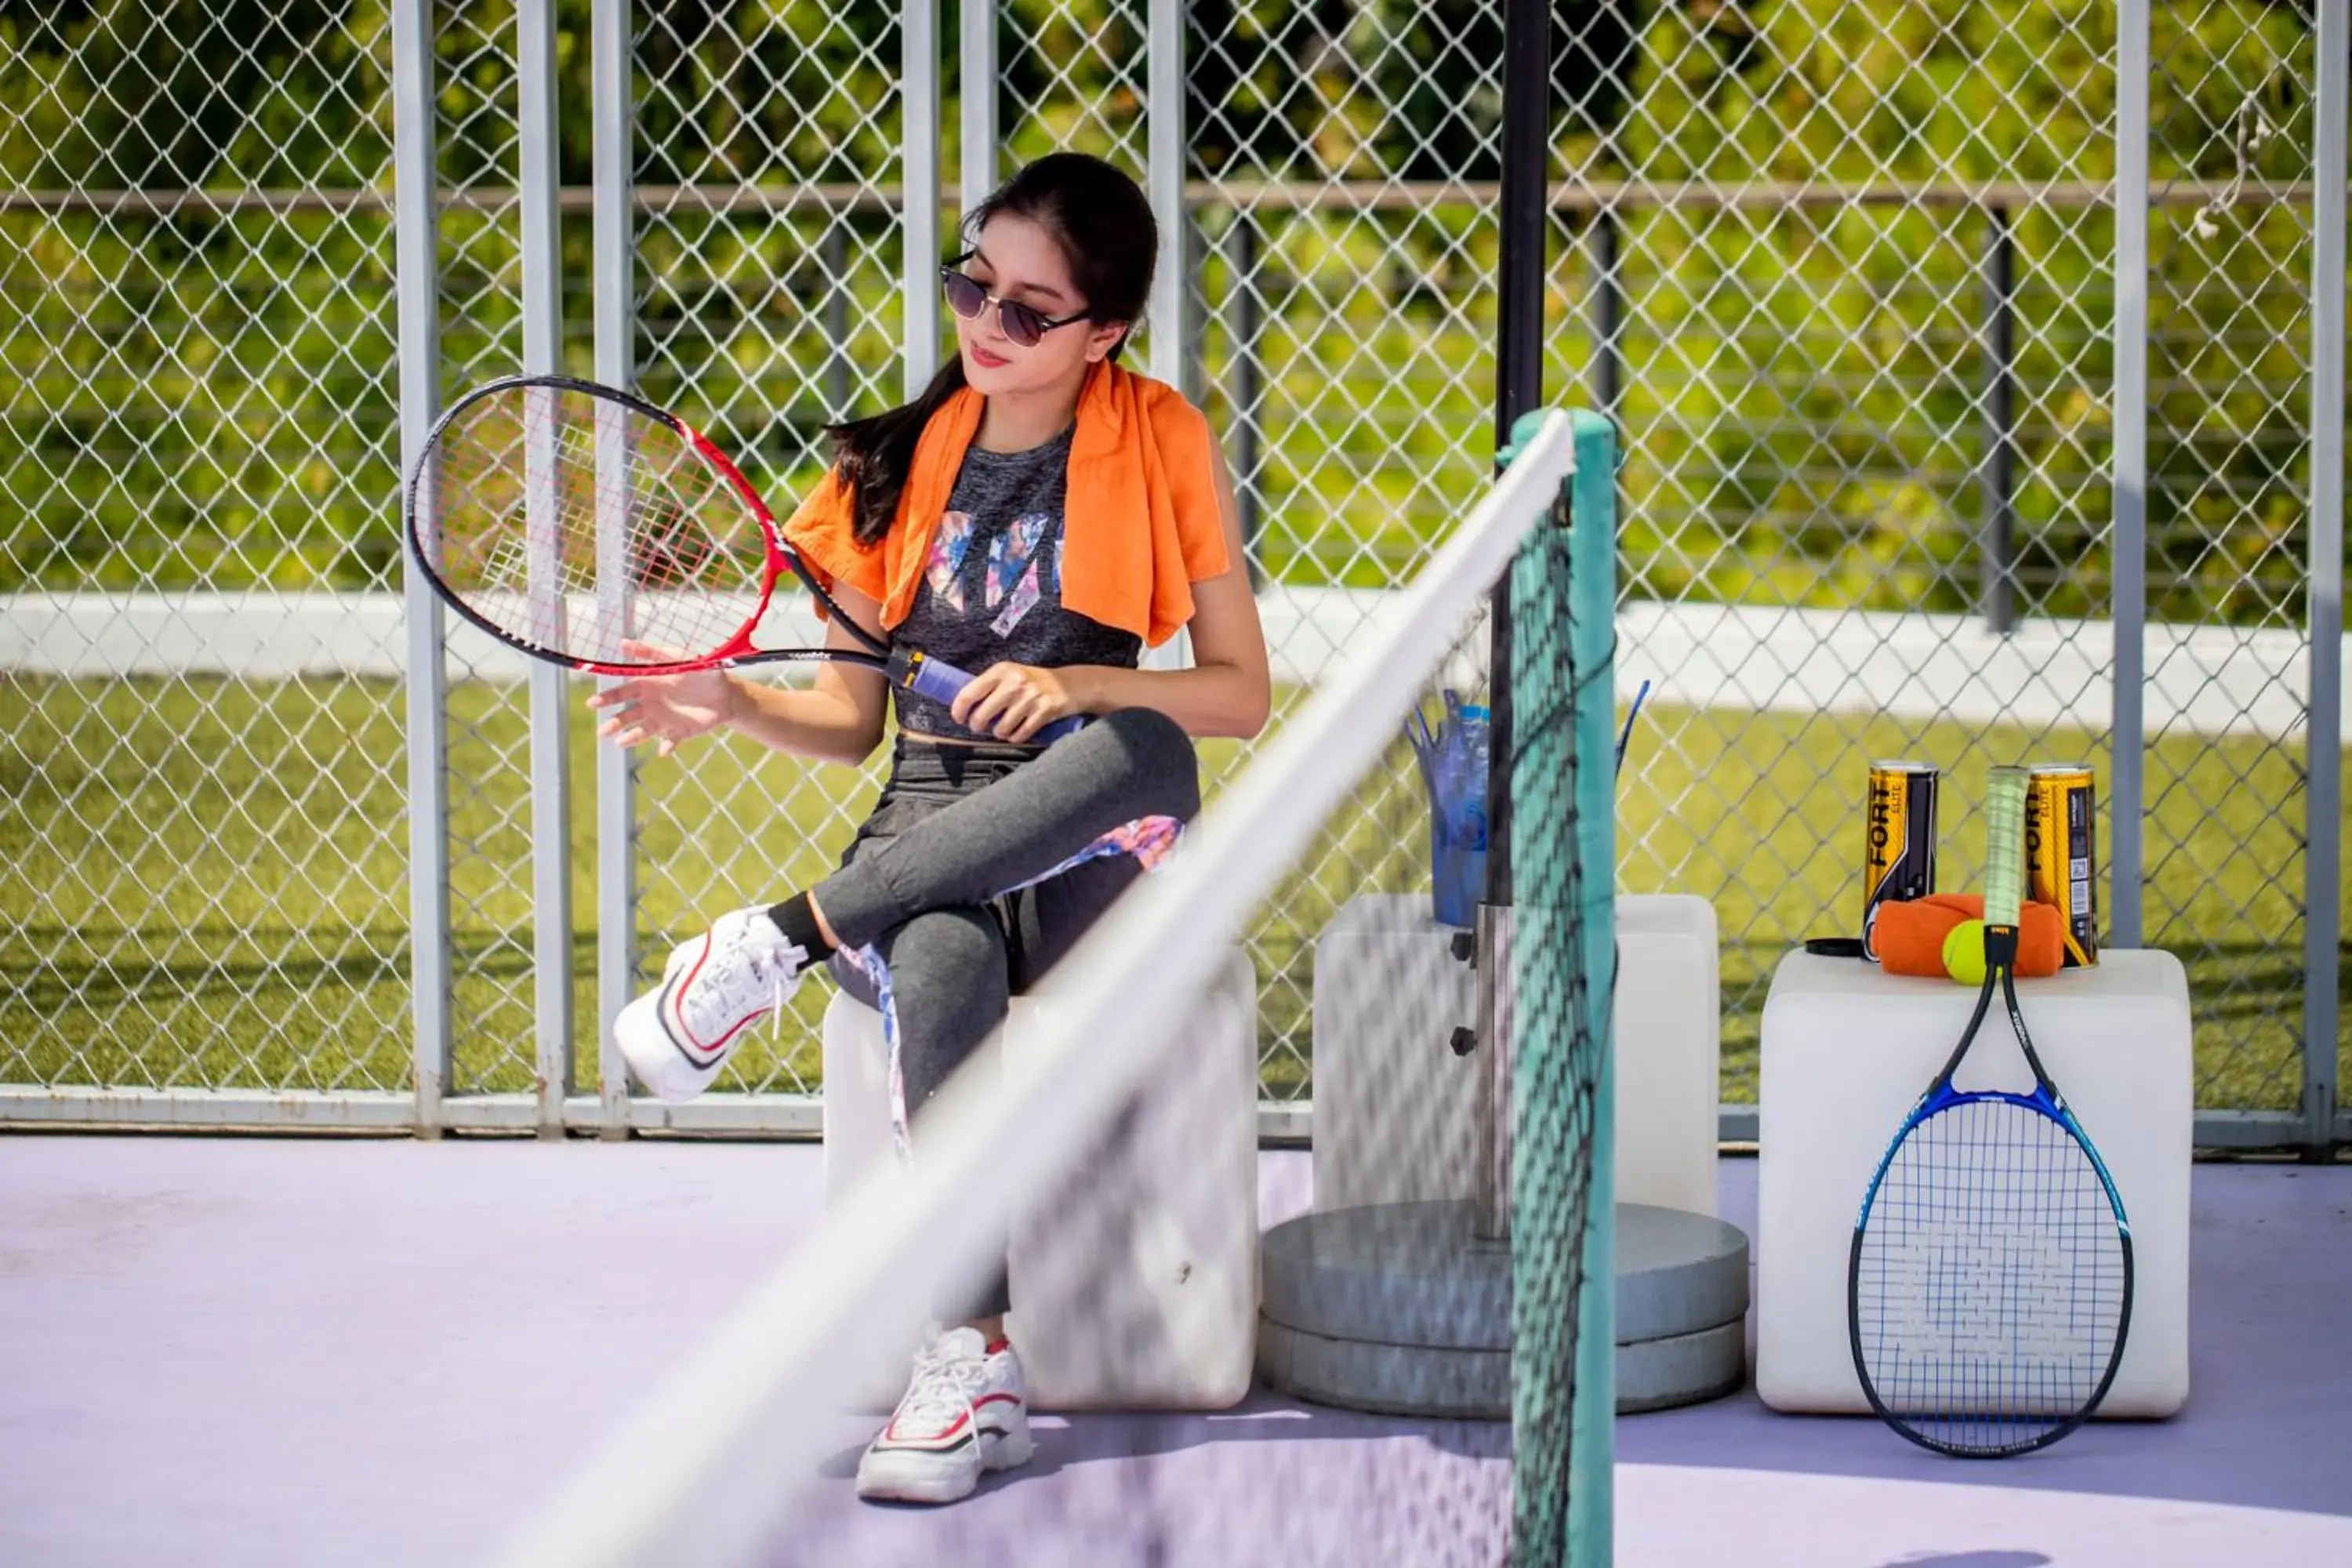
(1470, 840)
(1457, 817)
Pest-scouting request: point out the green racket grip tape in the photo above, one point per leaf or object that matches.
(2004, 844)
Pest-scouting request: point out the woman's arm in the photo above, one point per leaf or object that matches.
(1229, 691)
(837, 718)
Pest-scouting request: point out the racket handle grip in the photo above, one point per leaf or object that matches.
(2004, 844)
(941, 682)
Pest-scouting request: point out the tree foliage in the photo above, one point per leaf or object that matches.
(201, 392)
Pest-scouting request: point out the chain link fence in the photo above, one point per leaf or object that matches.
(1844, 276)
(772, 315)
(203, 885)
(2232, 450)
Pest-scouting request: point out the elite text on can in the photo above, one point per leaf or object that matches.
(2061, 857)
(1899, 824)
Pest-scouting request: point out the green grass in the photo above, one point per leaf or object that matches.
(205, 882)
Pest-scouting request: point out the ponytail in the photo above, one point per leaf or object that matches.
(875, 455)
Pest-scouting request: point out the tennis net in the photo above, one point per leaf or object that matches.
(1413, 1365)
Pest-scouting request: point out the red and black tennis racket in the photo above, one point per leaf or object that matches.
(571, 521)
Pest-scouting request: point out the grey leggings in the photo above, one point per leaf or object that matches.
(960, 886)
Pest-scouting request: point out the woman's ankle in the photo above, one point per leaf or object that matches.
(804, 926)
(823, 926)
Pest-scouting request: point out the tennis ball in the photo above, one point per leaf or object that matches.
(1964, 952)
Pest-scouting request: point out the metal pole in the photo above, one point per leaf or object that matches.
(977, 117)
(1518, 389)
(416, 286)
(1998, 481)
(1196, 246)
(1240, 290)
(919, 160)
(614, 272)
(2129, 476)
(833, 252)
(1608, 313)
(551, 769)
(1163, 93)
(1164, 113)
(2324, 852)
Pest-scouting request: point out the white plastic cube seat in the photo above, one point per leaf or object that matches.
(1134, 1282)
(1396, 1110)
(1847, 1049)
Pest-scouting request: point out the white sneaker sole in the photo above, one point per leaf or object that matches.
(911, 1474)
(645, 1045)
(652, 1056)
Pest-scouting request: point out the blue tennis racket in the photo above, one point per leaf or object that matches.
(1989, 1286)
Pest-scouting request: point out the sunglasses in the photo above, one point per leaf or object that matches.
(1023, 324)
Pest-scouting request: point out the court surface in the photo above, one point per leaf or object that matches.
(283, 1350)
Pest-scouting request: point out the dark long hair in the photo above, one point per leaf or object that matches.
(1105, 228)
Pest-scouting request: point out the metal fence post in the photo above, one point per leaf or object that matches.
(1163, 101)
(415, 249)
(1998, 482)
(918, 177)
(834, 253)
(976, 110)
(1518, 389)
(1198, 245)
(1164, 95)
(613, 270)
(1608, 312)
(551, 769)
(2128, 541)
(1239, 243)
(2324, 797)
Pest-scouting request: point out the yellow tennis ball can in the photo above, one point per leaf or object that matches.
(1964, 952)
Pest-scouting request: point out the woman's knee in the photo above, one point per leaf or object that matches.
(1160, 755)
(957, 949)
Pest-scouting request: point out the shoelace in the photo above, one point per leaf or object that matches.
(941, 1389)
(773, 967)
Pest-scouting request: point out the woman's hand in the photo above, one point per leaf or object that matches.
(664, 709)
(1013, 701)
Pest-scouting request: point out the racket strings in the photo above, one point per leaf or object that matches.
(1991, 1284)
(575, 523)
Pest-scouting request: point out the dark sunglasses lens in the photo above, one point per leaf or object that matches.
(965, 297)
(1022, 324)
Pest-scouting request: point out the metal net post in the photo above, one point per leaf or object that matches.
(1563, 968)
(1351, 366)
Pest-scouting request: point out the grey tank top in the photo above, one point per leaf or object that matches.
(992, 590)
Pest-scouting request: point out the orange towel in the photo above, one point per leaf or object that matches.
(1911, 934)
(1140, 525)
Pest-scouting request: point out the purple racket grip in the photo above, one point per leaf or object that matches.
(928, 676)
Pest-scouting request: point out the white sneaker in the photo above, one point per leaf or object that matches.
(741, 970)
(965, 1412)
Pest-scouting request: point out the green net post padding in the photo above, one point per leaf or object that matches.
(1563, 969)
